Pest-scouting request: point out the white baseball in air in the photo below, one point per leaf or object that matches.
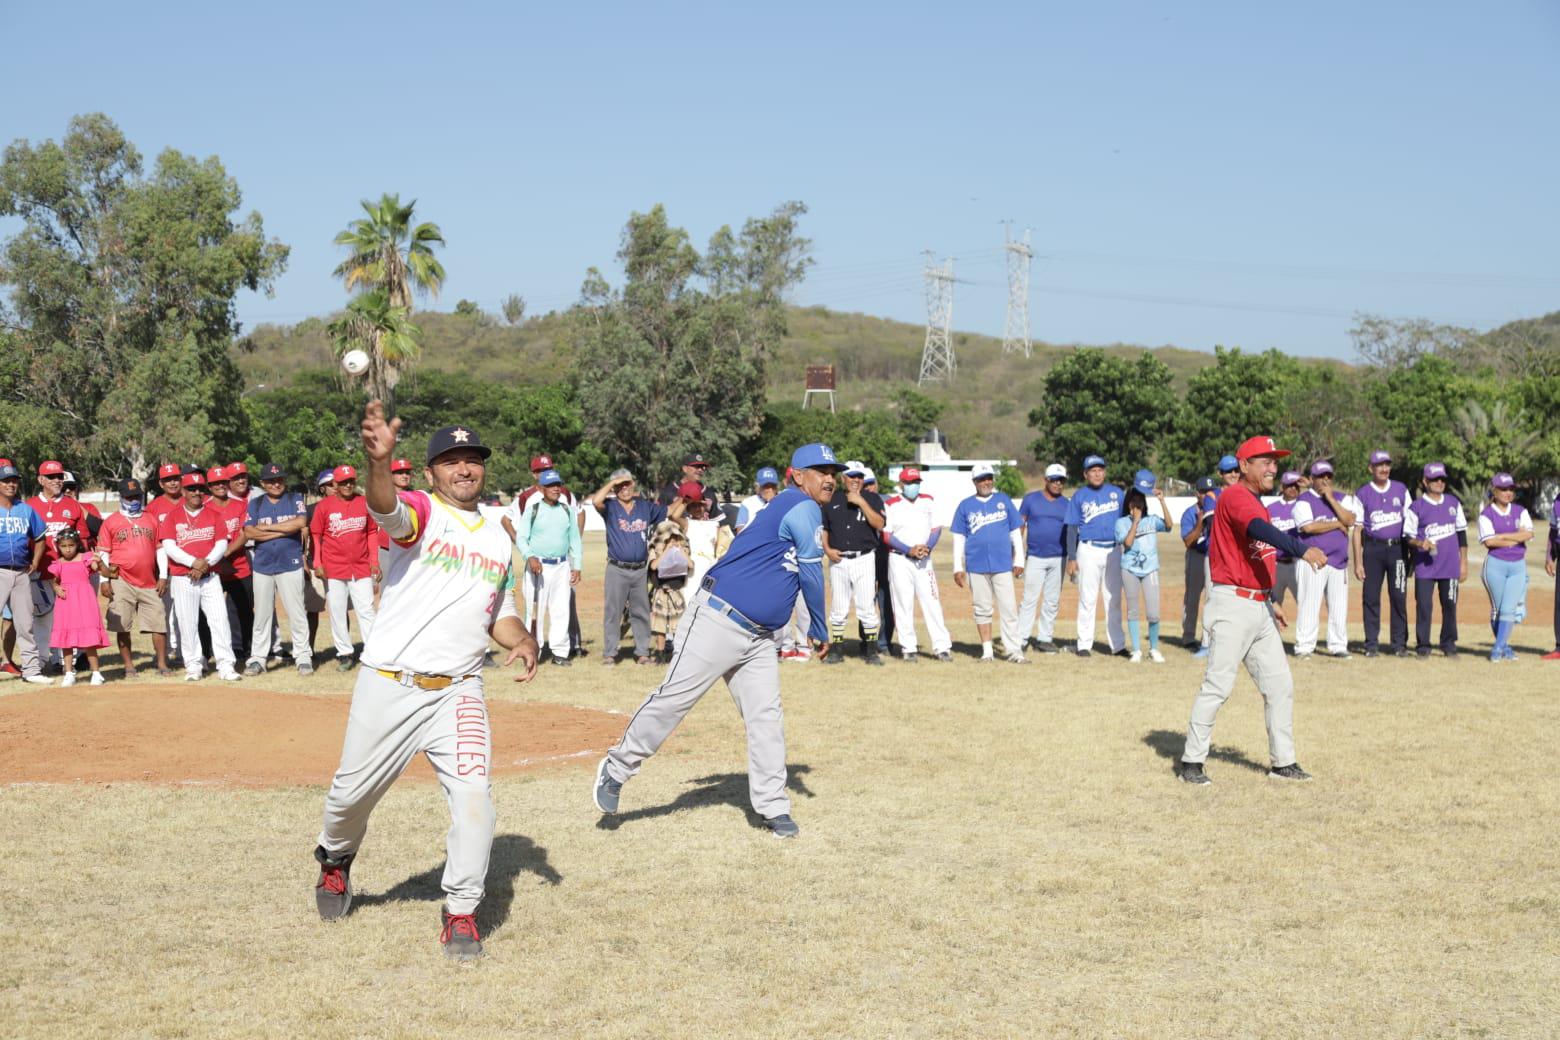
(355, 362)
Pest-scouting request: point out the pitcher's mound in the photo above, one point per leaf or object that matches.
(242, 736)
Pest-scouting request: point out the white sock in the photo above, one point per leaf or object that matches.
(985, 648)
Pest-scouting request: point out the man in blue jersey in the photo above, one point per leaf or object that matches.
(1093, 555)
(728, 632)
(1044, 513)
(989, 550)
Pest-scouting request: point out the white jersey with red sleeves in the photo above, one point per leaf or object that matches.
(447, 580)
(909, 520)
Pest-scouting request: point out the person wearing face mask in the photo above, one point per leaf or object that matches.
(135, 571)
(911, 534)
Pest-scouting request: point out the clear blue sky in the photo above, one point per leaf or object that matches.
(1194, 173)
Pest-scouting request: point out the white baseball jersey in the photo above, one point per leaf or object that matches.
(909, 521)
(448, 579)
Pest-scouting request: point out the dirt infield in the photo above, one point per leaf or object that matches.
(166, 734)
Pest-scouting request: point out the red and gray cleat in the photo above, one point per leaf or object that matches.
(333, 891)
(459, 938)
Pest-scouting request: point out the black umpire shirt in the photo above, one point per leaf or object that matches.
(847, 526)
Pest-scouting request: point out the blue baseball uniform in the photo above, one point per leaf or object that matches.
(1092, 515)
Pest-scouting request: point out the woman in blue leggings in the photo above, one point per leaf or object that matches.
(1505, 528)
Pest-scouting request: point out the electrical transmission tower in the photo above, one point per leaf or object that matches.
(1015, 336)
(937, 361)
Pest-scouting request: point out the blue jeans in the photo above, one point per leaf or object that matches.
(1506, 582)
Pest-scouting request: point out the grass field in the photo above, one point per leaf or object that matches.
(986, 851)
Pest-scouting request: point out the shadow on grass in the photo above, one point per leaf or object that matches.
(718, 789)
(1169, 744)
(513, 855)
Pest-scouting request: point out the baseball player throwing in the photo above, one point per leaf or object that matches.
(728, 632)
(448, 587)
(1241, 620)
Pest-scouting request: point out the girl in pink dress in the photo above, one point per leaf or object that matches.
(77, 623)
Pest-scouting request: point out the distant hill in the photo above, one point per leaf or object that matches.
(986, 413)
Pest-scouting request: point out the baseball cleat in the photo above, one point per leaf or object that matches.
(1155, 656)
(875, 659)
(1192, 773)
(192, 676)
(607, 790)
(1371, 651)
(1289, 772)
(782, 826)
(230, 676)
(910, 657)
(459, 937)
(305, 668)
(1339, 655)
(346, 664)
(1016, 659)
(834, 658)
(333, 891)
(254, 668)
(946, 655)
(1423, 653)
(562, 662)
(1083, 651)
(1047, 647)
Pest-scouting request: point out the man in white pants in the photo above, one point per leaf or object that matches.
(912, 534)
(194, 538)
(275, 524)
(1094, 556)
(345, 540)
(851, 522)
(548, 540)
(1323, 518)
(1045, 540)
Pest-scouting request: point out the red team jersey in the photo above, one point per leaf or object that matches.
(195, 533)
(236, 514)
(345, 538)
(1233, 557)
(63, 512)
(131, 545)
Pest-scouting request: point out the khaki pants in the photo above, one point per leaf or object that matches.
(1243, 631)
(986, 589)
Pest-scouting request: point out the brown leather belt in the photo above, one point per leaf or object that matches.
(423, 682)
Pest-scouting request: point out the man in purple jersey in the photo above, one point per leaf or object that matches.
(1282, 513)
(1438, 531)
(1379, 553)
(1323, 518)
(1550, 559)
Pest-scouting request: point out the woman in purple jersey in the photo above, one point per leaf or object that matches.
(1505, 528)
(1550, 559)
(1435, 527)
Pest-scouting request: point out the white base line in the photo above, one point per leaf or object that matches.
(557, 758)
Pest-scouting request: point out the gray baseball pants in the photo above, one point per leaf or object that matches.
(390, 722)
(711, 646)
(1196, 584)
(16, 593)
(1042, 591)
(625, 589)
(288, 586)
(1243, 630)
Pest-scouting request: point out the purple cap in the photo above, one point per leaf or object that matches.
(1289, 477)
(1379, 457)
(1321, 468)
(1502, 480)
(1435, 471)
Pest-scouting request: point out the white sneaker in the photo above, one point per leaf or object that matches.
(69, 679)
(1137, 657)
(988, 659)
(1017, 658)
(97, 678)
(192, 677)
(38, 680)
(1155, 656)
(230, 676)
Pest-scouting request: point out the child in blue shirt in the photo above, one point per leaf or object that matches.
(1138, 535)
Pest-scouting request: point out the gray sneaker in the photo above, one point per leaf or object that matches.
(333, 891)
(946, 656)
(607, 790)
(910, 658)
(346, 664)
(459, 937)
(1289, 772)
(782, 826)
(254, 668)
(305, 667)
(1192, 773)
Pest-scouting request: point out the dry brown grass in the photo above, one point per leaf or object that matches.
(985, 851)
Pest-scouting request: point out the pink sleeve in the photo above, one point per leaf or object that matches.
(421, 508)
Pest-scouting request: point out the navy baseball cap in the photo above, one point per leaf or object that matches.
(1227, 464)
(767, 475)
(8, 472)
(549, 477)
(815, 456)
(1091, 461)
(272, 471)
(452, 437)
(325, 477)
(1143, 480)
(131, 488)
(1205, 484)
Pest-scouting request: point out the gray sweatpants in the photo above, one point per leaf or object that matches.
(710, 646)
(390, 722)
(1240, 630)
(289, 587)
(625, 589)
(16, 593)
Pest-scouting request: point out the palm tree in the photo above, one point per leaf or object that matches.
(385, 332)
(384, 251)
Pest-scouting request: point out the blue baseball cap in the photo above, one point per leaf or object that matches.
(767, 475)
(9, 473)
(1093, 460)
(1227, 464)
(1143, 480)
(548, 477)
(815, 456)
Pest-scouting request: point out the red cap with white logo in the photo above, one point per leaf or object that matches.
(341, 473)
(51, 469)
(1254, 447)
(167, 469)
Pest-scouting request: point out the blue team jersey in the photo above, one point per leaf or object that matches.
(1046, 518)
(1189, 521)
(1143, 558)
(20, 526)
(1093, 512)
(986, 527)
(772, 559)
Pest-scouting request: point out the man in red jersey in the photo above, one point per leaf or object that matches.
(194, 538)
(135, 576)
(1240, 620)
(234, 571)
(346, 556)
(59, 512)
(170, 496)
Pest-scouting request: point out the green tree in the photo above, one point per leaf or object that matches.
(1327, 414)
(918, 413)
(385, 333)
(1239, 396)
(1011, 482)
(1417, 405)
(513, 308)
(872, 436)
(124, 287)
(1095, 403)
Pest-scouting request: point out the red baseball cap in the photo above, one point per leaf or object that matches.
(692, 490)
(193, 480)
(343, 473)
(541, 462)
(909, 475)
(216, 475)
(235, 469)
(6, 462)
(51, 469)
(167, 469)
(1254, 447)
(400, 465)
